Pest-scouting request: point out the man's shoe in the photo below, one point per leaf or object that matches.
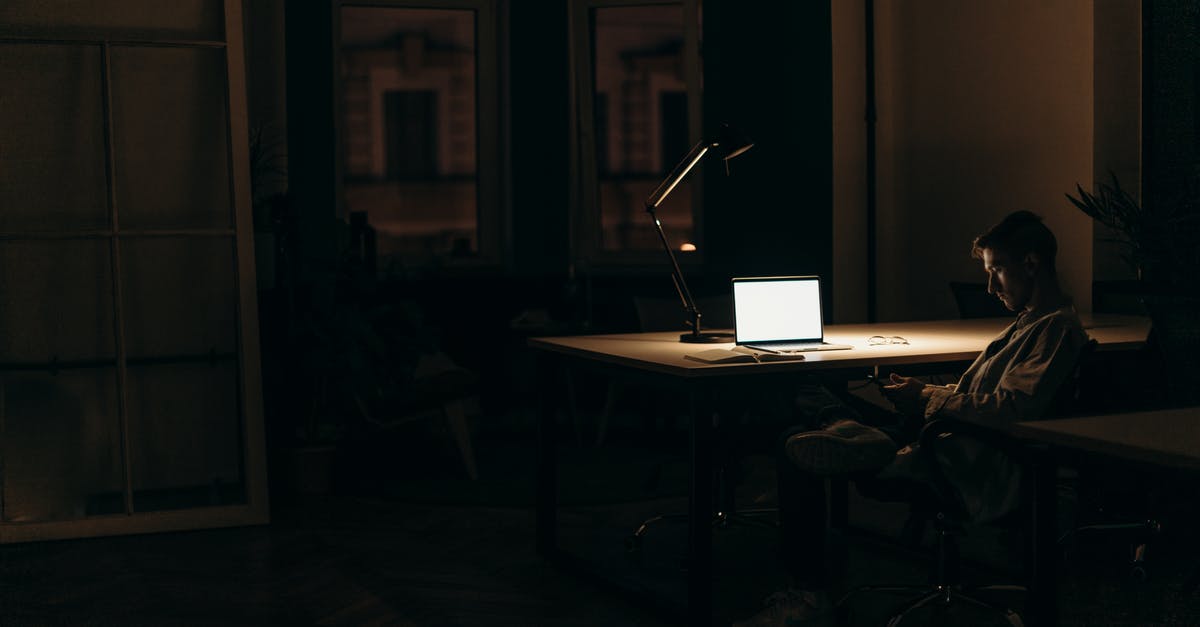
(792, 608)
(844, 447)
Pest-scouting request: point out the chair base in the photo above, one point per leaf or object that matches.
(942, 595)
(748, 517)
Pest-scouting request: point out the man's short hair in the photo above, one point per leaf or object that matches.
(1018, 234)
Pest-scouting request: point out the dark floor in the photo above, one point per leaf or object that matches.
(419, 544)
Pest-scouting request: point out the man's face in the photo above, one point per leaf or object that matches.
(1010, 280)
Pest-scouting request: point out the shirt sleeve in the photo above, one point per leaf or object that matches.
(1027, 386)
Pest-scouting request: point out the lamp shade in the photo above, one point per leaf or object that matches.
(731, 142)
(728, 144)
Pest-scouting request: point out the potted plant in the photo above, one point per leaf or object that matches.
(1161, 244)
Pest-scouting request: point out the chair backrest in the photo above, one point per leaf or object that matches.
(667, 314)
(974, 301)
(1176, 337)
(1119, 297)
(1075, 396)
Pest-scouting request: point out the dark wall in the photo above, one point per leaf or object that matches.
(312, 140)
(1171, 187)
(1171, 100)
(768, 69)
(538, 97)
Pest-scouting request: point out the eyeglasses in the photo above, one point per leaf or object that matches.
(878, 340)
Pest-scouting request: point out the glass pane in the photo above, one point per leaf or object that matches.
(61, 445)
(641, 123)
(57, 301)
(52, 133)
(133, 19)
(409, 130)
(180, 296)
(185, 444)
(170, 138)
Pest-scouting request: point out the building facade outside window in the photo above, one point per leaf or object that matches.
(636, 77)
(418, 130)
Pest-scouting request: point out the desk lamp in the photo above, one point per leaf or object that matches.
(729, 144)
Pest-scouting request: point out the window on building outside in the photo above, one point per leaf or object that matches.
(643, 88)
(412, 134)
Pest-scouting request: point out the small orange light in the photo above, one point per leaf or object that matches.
(688, 247)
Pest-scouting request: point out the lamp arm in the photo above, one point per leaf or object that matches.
(653, 201)
(684, 166)
(681, 288)
(732, 144)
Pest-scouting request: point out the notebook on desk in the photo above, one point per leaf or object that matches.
(780, 314)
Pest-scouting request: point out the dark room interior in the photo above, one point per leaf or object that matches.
(383, 312)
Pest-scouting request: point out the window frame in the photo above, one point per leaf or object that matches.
(585, 216)
(490, 207)
(238, 232)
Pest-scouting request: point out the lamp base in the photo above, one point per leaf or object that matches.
(707, 337)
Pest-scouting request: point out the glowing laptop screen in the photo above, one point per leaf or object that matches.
(777, 309)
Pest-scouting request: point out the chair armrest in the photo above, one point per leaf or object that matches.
(997, 437)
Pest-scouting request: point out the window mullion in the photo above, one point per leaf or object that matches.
(115, 252)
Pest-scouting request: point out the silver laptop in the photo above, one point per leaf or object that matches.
(780, 314)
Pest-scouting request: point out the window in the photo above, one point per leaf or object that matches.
(638, 74)
(129, 381)
(419, 130)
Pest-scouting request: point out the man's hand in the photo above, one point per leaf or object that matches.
(904, 393)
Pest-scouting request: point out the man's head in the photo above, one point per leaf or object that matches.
(1018, 256)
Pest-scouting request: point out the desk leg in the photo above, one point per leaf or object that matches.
(1043, 546)
(700, 511)
(547, 460)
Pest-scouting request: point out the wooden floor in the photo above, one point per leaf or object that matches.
(363, 561)
(331, 561)
(378, 558)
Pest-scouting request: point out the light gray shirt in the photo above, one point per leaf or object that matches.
(1015, 378)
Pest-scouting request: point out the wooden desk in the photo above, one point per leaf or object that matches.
(1163, 440)
(658, 359)
(939, 341)
(1168, 438)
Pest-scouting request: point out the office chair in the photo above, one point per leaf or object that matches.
(658, 314)
(726, 514)
(664, 314)
(1096, 486)
(1119, 297)
(938, 502)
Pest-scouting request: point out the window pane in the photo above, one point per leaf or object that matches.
(57, 301)
(169, 138)
(180, 296)
(185, 446)
(641, 122)
(61, 445)
(409, 129)
(52, 134)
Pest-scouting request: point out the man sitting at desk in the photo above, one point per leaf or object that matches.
(1015, 378)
